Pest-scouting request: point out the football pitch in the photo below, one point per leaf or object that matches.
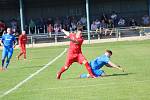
(133, 84)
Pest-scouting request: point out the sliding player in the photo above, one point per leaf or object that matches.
(99, 62)
(9, 42)
(74, 52)
(22, 45)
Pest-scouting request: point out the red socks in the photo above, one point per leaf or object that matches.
(89, 69)
(63, 69)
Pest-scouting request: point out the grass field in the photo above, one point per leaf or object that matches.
(133, 84)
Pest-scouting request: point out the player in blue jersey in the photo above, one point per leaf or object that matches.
(9, 42)
(99, 62)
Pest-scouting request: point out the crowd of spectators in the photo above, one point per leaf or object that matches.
(70, 23)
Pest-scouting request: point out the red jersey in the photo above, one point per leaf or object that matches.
(22, 39)
(75, 47)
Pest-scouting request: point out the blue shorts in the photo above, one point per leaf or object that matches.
(97, 72)
(7, 52)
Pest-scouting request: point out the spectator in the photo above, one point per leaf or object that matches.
(14, 25)
(50, 21)
(2, 27)
(110, 27)
(98, 23)
(32, 26)
(50, 29)
(146, 20)
(114, 18)
(57, 28)
(83, 22)
(93, 27)
(121, 22)
(40, 25)
(73, 26)
(104, 17)
(132, 22)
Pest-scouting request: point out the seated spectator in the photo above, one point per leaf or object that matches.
(110, 27)
(121, 22)
(83, 22)
(98, 23)
(146, 20)
(73, 26)
(132, 22)
(57, 28)
(40, 25)
(49, 29)
(93, 28)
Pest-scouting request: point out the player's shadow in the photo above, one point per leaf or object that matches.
(124, 74)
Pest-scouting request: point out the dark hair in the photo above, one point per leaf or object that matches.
(79, 28)
(109, 51)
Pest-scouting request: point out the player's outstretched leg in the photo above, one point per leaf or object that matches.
(20, 55)
(63, 69)
(84, 75)
(89, 69)
(3, 61)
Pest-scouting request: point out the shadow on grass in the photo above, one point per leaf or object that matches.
(124, 74)
(112, 75)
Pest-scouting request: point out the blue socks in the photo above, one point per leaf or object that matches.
(84, 76)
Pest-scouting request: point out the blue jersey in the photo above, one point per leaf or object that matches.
(99, 62)
(8, 40)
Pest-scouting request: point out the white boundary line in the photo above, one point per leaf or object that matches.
(32, 75)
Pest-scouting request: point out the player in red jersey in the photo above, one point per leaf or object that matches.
(74, 53)
(22, 44)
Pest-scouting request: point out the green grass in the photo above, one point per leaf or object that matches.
(134, 56)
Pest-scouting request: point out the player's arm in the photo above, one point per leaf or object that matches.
(67, 36)
(15, 42)
(112, 65)
(66, 32)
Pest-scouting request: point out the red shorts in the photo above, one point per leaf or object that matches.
(71, 58)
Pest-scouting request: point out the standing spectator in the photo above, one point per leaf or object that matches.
(114, 18)
(32, 26)
(104, 17)
(146, 20)
(14, 25)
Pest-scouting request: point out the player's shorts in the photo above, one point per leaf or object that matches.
(97, 72)
(74, 58)
(7, 52)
